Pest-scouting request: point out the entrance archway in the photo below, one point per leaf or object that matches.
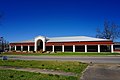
(39, 45)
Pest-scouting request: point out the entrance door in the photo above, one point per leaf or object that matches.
(39, 45)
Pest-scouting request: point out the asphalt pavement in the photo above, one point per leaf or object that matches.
(102, 72)
(102, 67)
(86, 59)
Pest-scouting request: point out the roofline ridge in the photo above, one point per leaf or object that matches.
(67, 36)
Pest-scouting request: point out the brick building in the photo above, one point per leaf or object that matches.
(64, 44)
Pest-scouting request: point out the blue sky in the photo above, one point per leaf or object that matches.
(25, 19)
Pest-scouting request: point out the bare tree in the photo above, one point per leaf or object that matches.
(111, 31)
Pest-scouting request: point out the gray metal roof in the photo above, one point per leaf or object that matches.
(26, 41)
(75, 38)
(67, 39)
(116, 43)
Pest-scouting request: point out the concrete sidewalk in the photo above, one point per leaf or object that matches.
(36, 70)
(102, 72)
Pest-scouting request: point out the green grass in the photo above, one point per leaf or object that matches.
(67, 66)
(22, 75)
(62, 54)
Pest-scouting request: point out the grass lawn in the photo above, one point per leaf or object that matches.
(22, 75)
(62, 54)
(67, 66)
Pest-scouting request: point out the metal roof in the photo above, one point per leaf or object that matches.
(67, 39)
(26, 41)
(74, 39)
(116, 43)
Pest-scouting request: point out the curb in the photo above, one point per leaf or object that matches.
(81, 78)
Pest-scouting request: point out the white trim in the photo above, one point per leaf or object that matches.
(28, 48)
(53, 48)
(112, 48)
(63, 48)
(21, 47)
(85, 48)
(39, 38)
(9, 48)
(43, 45)
(98, 48)
(73, 48)
(15, 47)
(35, 46)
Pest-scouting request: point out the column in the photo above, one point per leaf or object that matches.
(43, 46)
(98, 48)
(62, 48)
(112, 48)
(35, 46)
(85, 48)
(53, 48)
(73, 48)
(9, 48)
(21, 47)
(28, 48)
(15, 47)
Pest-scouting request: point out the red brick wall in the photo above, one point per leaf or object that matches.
(79, 43)
(24, 44)
(66, 43)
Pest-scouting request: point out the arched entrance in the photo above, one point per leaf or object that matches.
(39, 45)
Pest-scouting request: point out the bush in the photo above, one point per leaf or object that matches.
(11, 76)
(68, 69)
(22, 76)
(43, 65)
(39, 73)
(57, 75)
(50, 74)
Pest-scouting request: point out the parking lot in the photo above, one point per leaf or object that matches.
(102, 72)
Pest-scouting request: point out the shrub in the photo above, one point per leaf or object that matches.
(11, 76)
(50, 74)
(22, 76)
(57, 75)
(68, 69)
(43, 65)
(39, 73)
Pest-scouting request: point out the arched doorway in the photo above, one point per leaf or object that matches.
(39, 45)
